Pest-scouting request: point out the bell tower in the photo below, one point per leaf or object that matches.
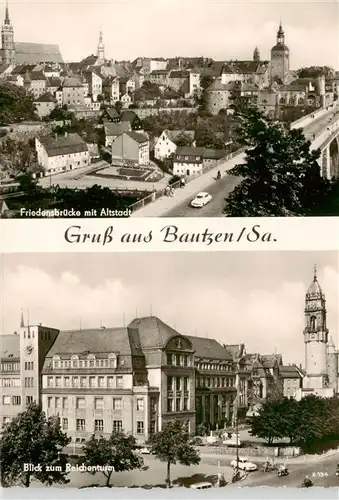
(101, 48)
(7, 40)
(315, 336)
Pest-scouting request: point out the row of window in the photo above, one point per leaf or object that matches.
(178, 383)
(29, 381)
(215, 382)
(29, 365)
(43, 334)
(10, 382)
(91, 382)
(99, 426)
(177, 404)
(214, 366)
(82, 403)
(14, 400)
(90, 362)
(178, 360)
(9, 367)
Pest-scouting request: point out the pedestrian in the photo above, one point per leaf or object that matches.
(182, 182)
(172, 191)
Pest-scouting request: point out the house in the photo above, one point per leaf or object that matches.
(159, 77)
(179, 81)
(44, 105)
(130, 116)
(193, 161)
(111, 89)
(126, 85)
(3, 207)
(256, 72)
(35, 83)
(61, 153)
(126, 100)
(73, 93)
(188, 161)
(166, 144)
(53, 84)
(292, 377)
(113, 130)
(111, 115)
(131, 146)
(94, 80)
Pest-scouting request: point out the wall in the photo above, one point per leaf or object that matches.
(290, 451)
(144, 112)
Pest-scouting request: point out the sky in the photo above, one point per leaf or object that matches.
(252, 297)
(219, 29)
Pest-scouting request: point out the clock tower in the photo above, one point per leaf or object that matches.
(280, 59)
(315, 336)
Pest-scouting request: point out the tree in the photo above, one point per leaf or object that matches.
(117, 452)
(16, 104)
(32, 439)
(184, 139)
(268, 423)
(279, 167)
(173, 444)
(314, 71)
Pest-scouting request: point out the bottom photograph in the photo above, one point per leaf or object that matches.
(166, 370)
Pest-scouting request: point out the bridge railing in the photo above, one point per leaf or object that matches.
(306, 120)
(324, 136)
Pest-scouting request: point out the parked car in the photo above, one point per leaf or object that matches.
(201, 200)
(244, 464)
(201, 486)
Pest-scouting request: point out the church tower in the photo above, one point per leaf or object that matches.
(280, 59)
(101, 48)
(7, 40)
(315, 337)
(256, 55)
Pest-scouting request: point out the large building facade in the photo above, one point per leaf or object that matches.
(12, 52)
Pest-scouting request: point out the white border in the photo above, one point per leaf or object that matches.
(46, 235)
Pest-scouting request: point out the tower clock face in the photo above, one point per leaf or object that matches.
(29, 349)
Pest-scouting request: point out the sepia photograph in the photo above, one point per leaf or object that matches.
(190, 108)
(169, 370)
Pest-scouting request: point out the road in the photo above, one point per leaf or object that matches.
(219, 191)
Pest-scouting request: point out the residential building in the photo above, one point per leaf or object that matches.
(44, 105)
(255, 72)
(114, 130)
(130, 116)
(73, 93)
(35, 83)
(127, 85)
(94, 80)
(194, 83)
(188, 161)
(53, 84)
(132, 147)
(126, 100)
(58, 153)
(179, 81)
(166, 144)
(111, 115)
(160, 77)
(111, 89)
(292, 377)
(292, 95)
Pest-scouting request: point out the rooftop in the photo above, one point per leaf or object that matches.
(61, 145)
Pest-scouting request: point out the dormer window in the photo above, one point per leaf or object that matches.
(56, 362)
(74, 361)
(91, 360)
(112, 360)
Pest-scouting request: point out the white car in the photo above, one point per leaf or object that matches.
(145, 451)
(244, 464)
(201, 200)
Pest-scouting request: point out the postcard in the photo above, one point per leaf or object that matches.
(200, 109)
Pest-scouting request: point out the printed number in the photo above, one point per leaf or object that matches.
(320, 474)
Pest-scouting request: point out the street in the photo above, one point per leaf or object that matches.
(219, 191)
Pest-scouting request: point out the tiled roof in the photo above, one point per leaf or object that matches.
(179, 74)
(153, 332)
(112, 113)
(37, 77)
(214, 154)
(289, 372)
(9, 346)
(219, 86)
(141, 138)
(53, 82)
(72, 82)
(22, 69)
(128, 115)
(241, 67)
(3, 67)
(115, 129)
(160, 72)
(94, 341)
(189, 151)
(209, 348)
(45, 98)
(33, 53)
(269, 360)
(63, 145)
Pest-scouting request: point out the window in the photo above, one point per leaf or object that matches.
(185, 404)
(110, 382)
(177, 404)
(153, 403)
(81, 424)
(99, 403)
(178, 384)
(57, 402)
(120, 382)
(80, 403)
(117, 404)
(152, 427)
(169, 404)
(65, 403)
(140, 404)
(50, 382)
(74, 361)
(83, 381)
(169, 359)
(101, 381)
(177, 359)
(29, 400)
(92, 382)
(169, 383)
(186, 382)
(75, 381)
(57, 381)
(49, 402)
(98, 425)
(140, 427)
(117, 425)
(185, 360)
(65, 424)
(16, 400)
(6, 400)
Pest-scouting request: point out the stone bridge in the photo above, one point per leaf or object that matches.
(322, 129)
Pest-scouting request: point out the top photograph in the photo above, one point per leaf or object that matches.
(184, 108)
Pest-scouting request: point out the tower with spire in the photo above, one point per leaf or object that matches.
(280, 59)
(315, 336)
(101, 48)
(7, 52)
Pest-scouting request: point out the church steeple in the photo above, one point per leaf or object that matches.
(280, 35)
(7, 51)
(7, 20)
(101, 47)
(256, 54)
(22, 322)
